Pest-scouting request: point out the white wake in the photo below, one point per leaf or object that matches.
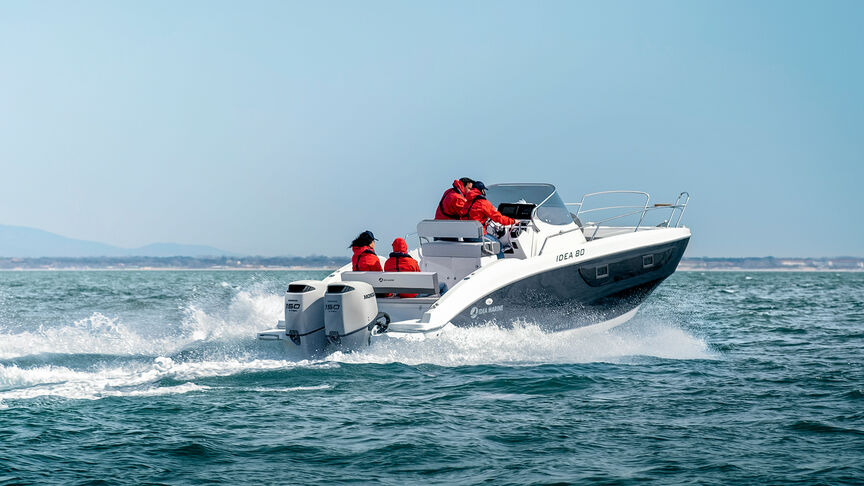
(222, 343)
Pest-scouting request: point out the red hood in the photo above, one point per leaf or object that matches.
(400, 246)
(360, 249)
(457, 184)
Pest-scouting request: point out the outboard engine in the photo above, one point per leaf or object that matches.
(304, 316)
(351, 315)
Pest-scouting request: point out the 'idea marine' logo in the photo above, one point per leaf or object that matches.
(479, 311)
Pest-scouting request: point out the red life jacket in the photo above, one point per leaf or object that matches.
(400, 261)
(365, 260)
(452, 202)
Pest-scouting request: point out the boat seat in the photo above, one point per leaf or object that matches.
(454, 238)
(451, 229)
(460, 249)
(396, 282)
(452, 249)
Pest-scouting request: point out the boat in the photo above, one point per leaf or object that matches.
(549, 268)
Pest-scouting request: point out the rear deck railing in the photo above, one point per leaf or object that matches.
(675, 209)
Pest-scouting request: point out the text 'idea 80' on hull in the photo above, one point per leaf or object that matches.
(561, 266)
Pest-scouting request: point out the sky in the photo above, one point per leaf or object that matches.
(286, 128)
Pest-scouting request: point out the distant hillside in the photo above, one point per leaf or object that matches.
(23, 242)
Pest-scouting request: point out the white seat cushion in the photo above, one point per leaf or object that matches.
(456, 249)
(449, 228)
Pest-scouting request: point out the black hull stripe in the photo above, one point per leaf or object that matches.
(573, 296)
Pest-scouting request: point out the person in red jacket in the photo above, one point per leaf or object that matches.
(365, 259)
(401, 261)
(453, 201)
(480, 209)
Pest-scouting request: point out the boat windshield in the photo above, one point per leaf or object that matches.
(550, 208)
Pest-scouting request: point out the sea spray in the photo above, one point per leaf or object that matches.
(246, 312)
(126, 379)
(527, 343)
(220, 342)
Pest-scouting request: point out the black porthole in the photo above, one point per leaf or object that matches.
(603, 272)
(647, 261)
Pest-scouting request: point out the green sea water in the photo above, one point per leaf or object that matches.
(156, 378)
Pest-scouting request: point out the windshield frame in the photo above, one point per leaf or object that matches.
(551, 204)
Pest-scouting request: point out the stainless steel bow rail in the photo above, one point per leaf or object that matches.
(678, 207)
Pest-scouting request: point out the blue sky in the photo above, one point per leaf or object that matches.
(287, 127)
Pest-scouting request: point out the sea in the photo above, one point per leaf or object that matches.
(155, 377)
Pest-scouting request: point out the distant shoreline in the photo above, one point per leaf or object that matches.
(317, 269)
(323, 263)
(169, 269)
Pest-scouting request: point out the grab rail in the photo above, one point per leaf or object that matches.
(641, 210)
(419, 243)
(562, 232)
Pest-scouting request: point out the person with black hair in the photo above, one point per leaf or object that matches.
(365, 259)
(480, 209)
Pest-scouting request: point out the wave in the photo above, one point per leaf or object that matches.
(527, 343)
(290, 388)
(247, 313)
(127, 379)
(222, 343)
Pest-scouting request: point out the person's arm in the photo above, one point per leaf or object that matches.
(458, 208)
(494, 215)
(501, 219)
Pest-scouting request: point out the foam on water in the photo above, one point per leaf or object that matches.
(527, 344)
(128, 379)
(64, 382)
(228, 336)
(247, 313)
(96, 334)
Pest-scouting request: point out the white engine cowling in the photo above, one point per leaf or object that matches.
(351, 314)
(304, 316)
